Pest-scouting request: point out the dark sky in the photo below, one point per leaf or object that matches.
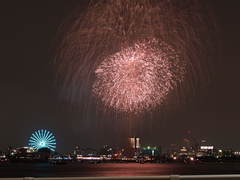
(29, 102)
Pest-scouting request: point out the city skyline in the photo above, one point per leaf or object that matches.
(29, 100)
(43, 138)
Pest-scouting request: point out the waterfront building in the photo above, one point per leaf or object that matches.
(228, 153)
(105, 150)
(132, 146)
(150, 151)
(208, 150)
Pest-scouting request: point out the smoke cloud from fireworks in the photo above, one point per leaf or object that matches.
(134, 56)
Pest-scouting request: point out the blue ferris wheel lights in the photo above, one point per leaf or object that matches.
(42, 139)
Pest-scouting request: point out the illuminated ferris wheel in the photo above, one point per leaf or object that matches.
(42, 139)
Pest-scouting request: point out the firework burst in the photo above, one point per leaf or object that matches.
(134, 56)
(138, 78)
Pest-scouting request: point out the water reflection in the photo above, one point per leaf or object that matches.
(113, 169)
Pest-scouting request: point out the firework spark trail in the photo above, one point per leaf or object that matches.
(138, 78)
(134, 55)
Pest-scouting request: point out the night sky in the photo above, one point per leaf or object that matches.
(29, 101)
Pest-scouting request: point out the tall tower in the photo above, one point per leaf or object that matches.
(135, 141)
(133, 146)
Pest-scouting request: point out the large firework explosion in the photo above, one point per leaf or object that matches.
(118, 59)
(138, 78)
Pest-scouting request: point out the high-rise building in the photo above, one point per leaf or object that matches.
(134, 141)
(132, 146)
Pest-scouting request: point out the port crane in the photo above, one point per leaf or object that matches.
(196, 145)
